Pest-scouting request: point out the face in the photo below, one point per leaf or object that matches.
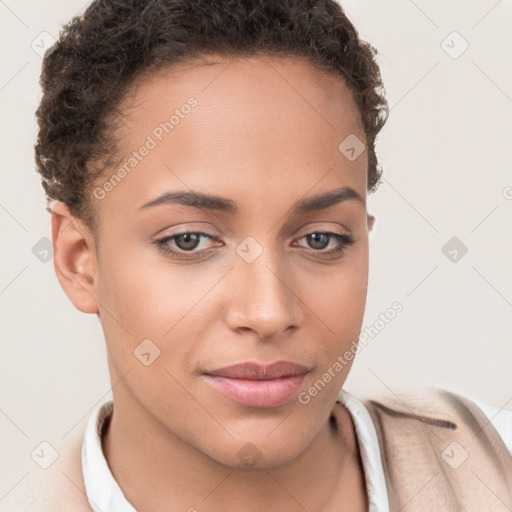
(262, 271)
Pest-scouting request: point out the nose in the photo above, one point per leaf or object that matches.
(263, 298)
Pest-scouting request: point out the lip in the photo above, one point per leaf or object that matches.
(259, 385)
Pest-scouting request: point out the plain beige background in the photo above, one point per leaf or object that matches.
(447, 173)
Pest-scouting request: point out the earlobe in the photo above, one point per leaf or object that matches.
(74, 258)
(371, 222)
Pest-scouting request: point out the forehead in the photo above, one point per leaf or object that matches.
(257, 123)
(244, 85)
(240, 91)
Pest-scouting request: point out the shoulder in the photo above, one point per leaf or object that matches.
(439, 407)
(436, 434)
(59, 488)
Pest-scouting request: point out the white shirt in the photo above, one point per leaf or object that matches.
(105, 495)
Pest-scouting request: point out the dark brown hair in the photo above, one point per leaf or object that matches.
(86, 74)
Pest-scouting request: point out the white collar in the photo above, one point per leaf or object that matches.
(370, 452)
(105, 495)
(103, 492)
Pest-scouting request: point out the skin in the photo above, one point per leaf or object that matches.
(264, 134)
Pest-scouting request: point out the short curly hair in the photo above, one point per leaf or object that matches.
(86, 74)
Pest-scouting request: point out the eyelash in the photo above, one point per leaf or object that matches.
(344, 239)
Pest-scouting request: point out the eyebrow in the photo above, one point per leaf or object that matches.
(209, 202)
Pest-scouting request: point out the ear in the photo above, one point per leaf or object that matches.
(74, 258)
(371, 222)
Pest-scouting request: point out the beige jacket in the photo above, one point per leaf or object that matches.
(439, 452)
(60, 488)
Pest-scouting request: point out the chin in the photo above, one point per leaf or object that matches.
(256, 449)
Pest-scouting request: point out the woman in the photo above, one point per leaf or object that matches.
(209, 164)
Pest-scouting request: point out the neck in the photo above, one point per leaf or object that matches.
(158, 471)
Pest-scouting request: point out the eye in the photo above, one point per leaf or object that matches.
(183, 245)
(185, 242)
(320, 240)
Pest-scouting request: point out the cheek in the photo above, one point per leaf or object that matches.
(144, 297)
(338, 301)
(341, 297)
(143, 292)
